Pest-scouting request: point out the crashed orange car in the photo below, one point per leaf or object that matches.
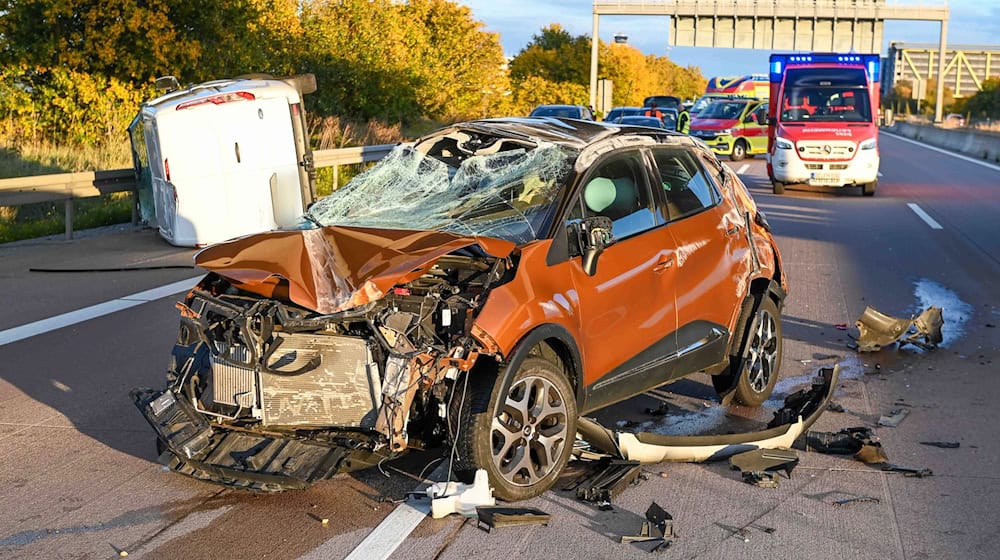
(480, 289)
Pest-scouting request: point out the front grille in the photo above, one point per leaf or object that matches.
(814, 166)
(838, 166)
(819, 149)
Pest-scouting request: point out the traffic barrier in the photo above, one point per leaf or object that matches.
(68, 187)
(979, 144)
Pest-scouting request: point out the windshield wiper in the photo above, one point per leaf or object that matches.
(313, 220)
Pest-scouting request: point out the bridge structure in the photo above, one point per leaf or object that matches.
(786, 25)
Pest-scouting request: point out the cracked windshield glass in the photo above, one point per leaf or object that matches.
(455, 187)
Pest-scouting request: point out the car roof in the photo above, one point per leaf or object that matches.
(560, 106)
(571, 133)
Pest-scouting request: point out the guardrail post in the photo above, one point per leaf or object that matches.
(69, 218)
(336, 177)
(134, 198)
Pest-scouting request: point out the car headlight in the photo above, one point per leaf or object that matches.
(868, 144)
(724, 131)
(782, 144)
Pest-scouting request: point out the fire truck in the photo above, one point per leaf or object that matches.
(823, 120)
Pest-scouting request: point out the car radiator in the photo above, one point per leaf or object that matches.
(310, 380)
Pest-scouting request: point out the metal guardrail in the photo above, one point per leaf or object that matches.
(68, 187)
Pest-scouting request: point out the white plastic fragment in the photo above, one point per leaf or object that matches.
(456, 497)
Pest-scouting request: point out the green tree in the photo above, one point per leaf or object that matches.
(985, 103)
(554, 55)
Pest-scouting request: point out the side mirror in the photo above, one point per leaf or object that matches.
(592, 235)
(770, 121)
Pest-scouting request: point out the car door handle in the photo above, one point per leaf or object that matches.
(664, 264)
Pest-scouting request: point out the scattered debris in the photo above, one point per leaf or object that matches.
(493, 517)
(836, 407)
(894, 417)
(860, 442)
(826, 356)
(658, 526)
(942, 444)
(806, 361)
(658, 411)
(907, 471)
(858, 500)
(610, 478)
(743, 533)
(762, 479)
(840, 326)
(800, 410)
(878, 329)
(990, 326)
(324, 521)
(456, 497)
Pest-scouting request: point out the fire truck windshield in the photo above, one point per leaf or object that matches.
(836, 94)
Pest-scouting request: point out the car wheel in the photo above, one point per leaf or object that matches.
(524, 437)
(778, 187)
(739, 151)
(761, 355)
(868, 189)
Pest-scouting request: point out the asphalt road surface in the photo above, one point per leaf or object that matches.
(78, 477)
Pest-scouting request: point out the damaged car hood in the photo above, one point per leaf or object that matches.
(334, 268)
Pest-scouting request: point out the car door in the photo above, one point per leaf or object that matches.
(627, 314)
(710, 247)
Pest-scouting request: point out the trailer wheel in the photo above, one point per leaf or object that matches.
(739, 150)
(869, 188)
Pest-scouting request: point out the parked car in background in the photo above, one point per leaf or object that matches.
(733, 126)
(639, 120)
(662, 101)
(564, 111)
(481, 287)
(954, 120)
(619, 112)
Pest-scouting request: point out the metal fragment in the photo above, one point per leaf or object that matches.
(942, 444)
(894, 417)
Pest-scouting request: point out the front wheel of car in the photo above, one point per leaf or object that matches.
(868, 189)
(760, 362)
(523, 437)
(739, 151)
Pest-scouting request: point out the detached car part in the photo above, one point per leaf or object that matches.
(800, 410)
(878, 330)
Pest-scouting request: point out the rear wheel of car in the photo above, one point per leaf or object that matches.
(522, 438)
(869, 188)
(739, 151)
(778, 187)
(760, 358)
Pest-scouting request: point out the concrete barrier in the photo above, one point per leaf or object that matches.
(974, 143)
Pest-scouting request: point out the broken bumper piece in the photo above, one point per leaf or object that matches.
(800, 411)
(243, 459)
(876, 329)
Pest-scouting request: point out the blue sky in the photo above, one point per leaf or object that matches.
(972, 22)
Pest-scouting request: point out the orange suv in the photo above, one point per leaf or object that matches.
(479, 288)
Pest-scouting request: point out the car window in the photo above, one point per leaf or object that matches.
(686, 187)
(618, 190)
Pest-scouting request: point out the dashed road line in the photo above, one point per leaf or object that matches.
(87, 313)
(924, 215)
(743, 169)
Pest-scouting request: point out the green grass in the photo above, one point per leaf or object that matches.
(47, 218)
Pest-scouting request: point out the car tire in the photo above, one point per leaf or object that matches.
(868, 189)
(759, 362)
(778, 187)
(522, 445)
(739, 151)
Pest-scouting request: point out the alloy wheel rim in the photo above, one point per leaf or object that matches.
(762, 353)
(529, 432)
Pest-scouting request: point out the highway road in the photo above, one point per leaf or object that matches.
(78, 477)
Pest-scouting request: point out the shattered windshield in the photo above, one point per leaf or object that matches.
(456, 186)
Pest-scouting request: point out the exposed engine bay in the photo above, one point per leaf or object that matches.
(268, 395)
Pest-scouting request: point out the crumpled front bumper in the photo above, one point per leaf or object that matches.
(246, 459)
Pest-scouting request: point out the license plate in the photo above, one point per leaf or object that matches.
(821, 178)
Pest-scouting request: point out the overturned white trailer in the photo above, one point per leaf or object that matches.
(224, 158)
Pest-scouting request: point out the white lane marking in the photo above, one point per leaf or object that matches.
(953, 154)
(924, 215)
(743, 169)
(94, 311)
(394, 529)
(879, 173)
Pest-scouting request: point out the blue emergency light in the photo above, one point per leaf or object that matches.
(781, 61)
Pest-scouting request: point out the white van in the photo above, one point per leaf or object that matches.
(224, 158)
